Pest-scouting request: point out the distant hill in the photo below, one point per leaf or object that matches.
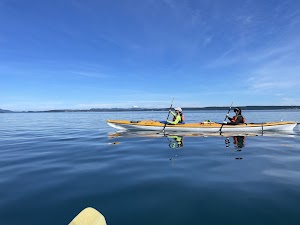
(4, 111)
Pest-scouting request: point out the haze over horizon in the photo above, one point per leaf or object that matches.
(75, 54)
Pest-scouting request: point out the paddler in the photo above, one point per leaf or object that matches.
(237, 119)
(177, 116)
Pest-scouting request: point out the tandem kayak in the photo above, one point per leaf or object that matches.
(151, 125)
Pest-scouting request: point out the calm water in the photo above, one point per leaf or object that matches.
(53, 165)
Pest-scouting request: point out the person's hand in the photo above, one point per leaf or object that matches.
(170, 110)
(224, 122)
(227, 115)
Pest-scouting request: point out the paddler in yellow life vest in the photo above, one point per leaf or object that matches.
(177, 116)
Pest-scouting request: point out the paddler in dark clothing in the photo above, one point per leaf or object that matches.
(237, 119)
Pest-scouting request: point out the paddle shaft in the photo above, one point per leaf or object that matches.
(168, 115)
(226, 117)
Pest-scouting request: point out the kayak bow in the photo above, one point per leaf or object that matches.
(89, 216)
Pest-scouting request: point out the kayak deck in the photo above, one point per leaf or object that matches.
(205, 126)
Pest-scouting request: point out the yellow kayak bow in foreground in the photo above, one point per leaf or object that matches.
(89, 216)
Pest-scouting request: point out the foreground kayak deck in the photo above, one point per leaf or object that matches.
(200, 127)
(89, 216)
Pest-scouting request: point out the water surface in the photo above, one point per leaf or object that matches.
(53, 165)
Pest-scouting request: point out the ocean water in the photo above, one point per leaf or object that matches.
(53, 165)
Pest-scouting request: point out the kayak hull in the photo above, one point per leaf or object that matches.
(150, 125)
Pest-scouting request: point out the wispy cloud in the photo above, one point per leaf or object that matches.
(278, 78)
(247, 19)
(277, 70)
(207, 40)
(270, 82)
(53, 68)
(290, 101)
(170, 3)
(90, 74)
(225, 59)
(287, 49)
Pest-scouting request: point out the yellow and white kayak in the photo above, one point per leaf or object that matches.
(200, 127)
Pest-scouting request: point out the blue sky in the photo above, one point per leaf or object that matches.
(80, 54)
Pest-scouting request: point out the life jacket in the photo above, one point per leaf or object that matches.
(181, 118)
(236, 117)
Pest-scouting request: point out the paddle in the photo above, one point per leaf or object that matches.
(89, 216)
(225, 117)
(163, 130)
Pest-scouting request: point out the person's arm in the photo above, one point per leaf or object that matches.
(174, 114)
(230, 118)
(227, 117)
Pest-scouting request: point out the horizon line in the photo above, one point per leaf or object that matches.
(155, 108)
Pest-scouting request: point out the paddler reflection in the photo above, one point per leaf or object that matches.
(238, 142)
(176, 141)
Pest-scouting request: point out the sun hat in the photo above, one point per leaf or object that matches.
(178, 109)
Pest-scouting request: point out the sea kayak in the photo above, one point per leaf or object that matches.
(149, 125)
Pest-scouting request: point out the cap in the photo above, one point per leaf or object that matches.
(237, 109)
(178, 108)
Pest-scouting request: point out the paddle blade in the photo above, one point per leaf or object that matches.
(89, 216)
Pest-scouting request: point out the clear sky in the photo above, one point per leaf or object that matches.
(79, 54)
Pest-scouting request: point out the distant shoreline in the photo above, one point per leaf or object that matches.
(157, 109)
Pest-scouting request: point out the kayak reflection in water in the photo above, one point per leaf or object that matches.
(175, 141)
(239, 143)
